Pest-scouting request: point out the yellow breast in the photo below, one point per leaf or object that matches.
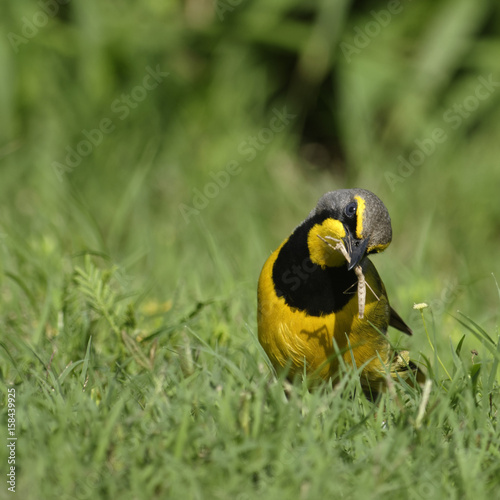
(294, 339)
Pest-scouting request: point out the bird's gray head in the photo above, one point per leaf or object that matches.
(359, 214)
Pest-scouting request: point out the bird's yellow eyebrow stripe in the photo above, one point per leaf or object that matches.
(359, 217)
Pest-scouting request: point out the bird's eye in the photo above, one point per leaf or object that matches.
(350, 210)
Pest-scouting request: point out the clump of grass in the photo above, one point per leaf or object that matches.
(183, 413)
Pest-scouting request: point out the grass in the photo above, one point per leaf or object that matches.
(128, 328)
(154, 401)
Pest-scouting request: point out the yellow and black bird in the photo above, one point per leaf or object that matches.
(308, 295)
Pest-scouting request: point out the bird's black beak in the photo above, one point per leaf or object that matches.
(356, 249)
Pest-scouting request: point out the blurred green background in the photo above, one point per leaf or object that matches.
(363, 82)
(180, 142)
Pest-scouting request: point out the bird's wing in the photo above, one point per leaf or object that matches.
(397, 322)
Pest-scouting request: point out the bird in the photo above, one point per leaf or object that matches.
(322, 305)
